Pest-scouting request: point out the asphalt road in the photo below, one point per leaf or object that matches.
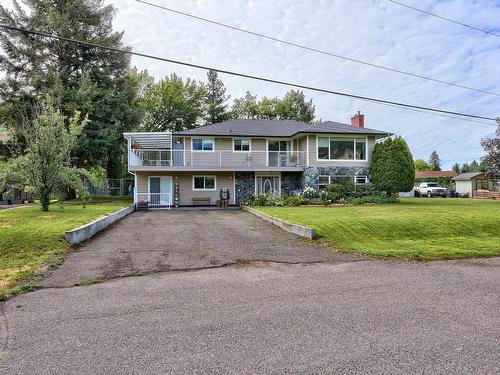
(353, 317)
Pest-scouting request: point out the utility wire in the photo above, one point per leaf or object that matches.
(445, 18)
(244, 75)
(394, 70)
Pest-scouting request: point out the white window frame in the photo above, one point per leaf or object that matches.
(243, 139)
(203, 139)
(204, 183)
(361, 183)
(354, 177)
(354, 138)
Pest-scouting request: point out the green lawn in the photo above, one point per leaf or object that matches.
(31, 239)
(419, 229)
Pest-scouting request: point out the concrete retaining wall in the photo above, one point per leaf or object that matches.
(80, 234)
(299, 230)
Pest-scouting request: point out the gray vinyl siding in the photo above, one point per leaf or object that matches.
(185, 179)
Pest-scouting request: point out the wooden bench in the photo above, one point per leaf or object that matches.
(202, 201)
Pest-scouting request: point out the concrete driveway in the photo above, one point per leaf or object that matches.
(293, 315)
(156, 241)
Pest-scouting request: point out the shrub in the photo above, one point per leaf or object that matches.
(295, 201)
(392, 167)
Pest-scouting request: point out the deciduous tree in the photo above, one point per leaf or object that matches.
(492, 157)
(421, 165)
(46, 166)
(293, 106)
(173, 104)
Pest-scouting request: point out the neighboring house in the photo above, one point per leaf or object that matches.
(248, 157)
(476, 185)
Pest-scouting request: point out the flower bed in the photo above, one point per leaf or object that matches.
(340, 193)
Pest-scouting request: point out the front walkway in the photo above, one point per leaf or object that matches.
(157, 241)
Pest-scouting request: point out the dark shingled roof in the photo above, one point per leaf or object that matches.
(275, 128)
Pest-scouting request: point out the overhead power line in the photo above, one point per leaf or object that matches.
(445, 18)
(244, 75)
(357, 61)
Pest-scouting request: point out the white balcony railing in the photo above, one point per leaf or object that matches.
(216, 158)
(153, 200)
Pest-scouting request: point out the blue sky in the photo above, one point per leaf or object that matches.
(377, 31)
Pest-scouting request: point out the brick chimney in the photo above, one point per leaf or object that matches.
(358, 120)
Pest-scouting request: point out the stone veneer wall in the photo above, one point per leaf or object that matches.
(291, 183)
(311, 174)
(244, 185)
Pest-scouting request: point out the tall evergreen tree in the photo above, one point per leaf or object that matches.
(215, 99)
(393, 169)
(435, 161)
(456, 168)
(474, 166)
(91, 80)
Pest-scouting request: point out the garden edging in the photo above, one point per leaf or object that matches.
(84, 232)
(299, 230)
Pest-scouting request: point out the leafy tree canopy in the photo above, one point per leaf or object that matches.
(422, 165)
(492, 158)
(173, 104)
(293, 106)
(93, 81)
(393, 169)
(46, 165)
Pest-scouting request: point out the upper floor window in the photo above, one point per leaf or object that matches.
(203, 144)
(241, 145)
(341, 148)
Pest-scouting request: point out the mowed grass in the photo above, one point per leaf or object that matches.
(417, 229)
(31, 239)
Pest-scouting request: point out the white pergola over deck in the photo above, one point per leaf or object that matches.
(151, 148)
(149, 140)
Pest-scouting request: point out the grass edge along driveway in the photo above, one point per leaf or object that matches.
(416, 229)
(31, 239)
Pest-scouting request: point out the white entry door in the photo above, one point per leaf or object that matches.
(160, 190)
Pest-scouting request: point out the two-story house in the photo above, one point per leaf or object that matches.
(247, 157)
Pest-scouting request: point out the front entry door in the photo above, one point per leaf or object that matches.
(160, 190)
(268, 185)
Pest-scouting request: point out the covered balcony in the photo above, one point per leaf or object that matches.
(153, 151)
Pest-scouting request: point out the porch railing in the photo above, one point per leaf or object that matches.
(153, 201)
(216, 158)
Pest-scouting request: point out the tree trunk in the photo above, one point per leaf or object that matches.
(45, 200)
(70, 193)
